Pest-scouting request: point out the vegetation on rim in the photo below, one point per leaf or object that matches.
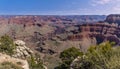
(7, 45)
(102, 56)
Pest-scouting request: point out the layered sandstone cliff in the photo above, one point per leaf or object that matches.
(100, 31)
(113, 18)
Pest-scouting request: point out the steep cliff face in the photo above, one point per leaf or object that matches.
(113, 18)
(100, 31)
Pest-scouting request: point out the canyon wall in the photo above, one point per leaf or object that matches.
(101, 31)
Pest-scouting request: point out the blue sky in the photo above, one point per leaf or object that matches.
(59, 7)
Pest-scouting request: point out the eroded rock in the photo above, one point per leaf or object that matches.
(6, 58)
(21, 50)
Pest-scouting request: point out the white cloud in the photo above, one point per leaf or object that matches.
(116, 8)
(101, 1)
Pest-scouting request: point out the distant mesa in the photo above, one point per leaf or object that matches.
(113, 18)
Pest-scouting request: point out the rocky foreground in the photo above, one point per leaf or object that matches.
(20, 57)
(6, 58)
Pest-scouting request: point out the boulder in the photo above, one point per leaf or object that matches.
(21, 50)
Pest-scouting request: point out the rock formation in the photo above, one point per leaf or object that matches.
(100, 31)
(7, 58)
(113, 18)
(21, 50)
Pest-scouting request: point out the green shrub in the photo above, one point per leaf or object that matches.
(68, 56)
(35, 62)
(102, 56)
(7, 45)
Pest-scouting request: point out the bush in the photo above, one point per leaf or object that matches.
(68, 56)
(35, 62)
(7, 45)
(102, 56)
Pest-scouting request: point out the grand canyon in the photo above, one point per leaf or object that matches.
(59, 34)
(49, 35)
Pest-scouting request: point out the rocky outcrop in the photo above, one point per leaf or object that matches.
(6, 58)
(21, 50)
(113, 18)
(100, 31)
